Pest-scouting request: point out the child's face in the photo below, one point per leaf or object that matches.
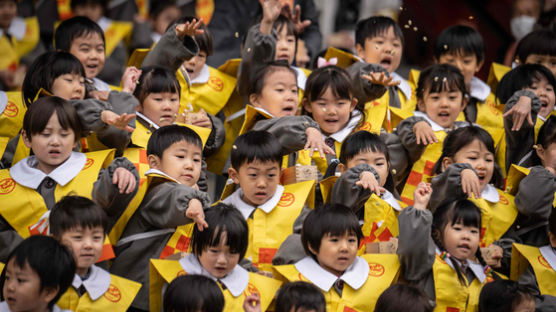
(385, 50)
(22, 289)
(330, 112)
(258, 180)
(218, 260)
(52, 146)
(181, 161)
(285, 45)
(85, 245)
(545, 92)
(548, 61)
(461, 241)
(525, 306)
(161, 108)
(279, 95)
(442, 107)
(337, 253)
(94, 11)
(89, 50)
(547, 155)
(477, 155)
(69, 87)
(194, 65)
(8, 10)
(466, 63)
(161, 22)
(377, 160)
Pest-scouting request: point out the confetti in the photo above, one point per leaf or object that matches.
(377, 47)
(234, 147)
(392, 52)
(435, 79)
(445, 47)
(471, 17)
(444, 79)
(425, 38)
(415, 28)
(324, 109)
(401, 8)
(248, 50)
(409, 22)
(406, 26)
(236, 34)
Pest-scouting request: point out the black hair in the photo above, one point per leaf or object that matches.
(375, 26)
(542, 42)
(222, 218)
(157, 7)
(521, 77)
(255, 145)
(75, 27)
(45, 69)
(204, 40)
(552, 221)
(76, 3)
(438, 78)
(299, 295)
(76, 211)
(462, 40)
(455, 211)
(502, 296)
(156, 80)
(545, 137)
(461, 137)
(53, 263)
(193, 293)
(332, 219)
(400, 297)
(281, 22)
(257, 82)
(38, 114)
(163, 137)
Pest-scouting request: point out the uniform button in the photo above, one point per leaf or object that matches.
(49, 183)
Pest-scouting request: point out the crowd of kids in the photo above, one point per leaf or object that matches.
(171, 185)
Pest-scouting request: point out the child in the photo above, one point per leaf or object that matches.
(166, 201)
(37, 273)
(538, 47)
(298, 297)
(505, 296)
(202, 295)
(330, 236)
(216, 252)
(437, 251)
(401, 298)
(440, 98)
(78, 223)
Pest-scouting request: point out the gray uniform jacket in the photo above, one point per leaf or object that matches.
(543, 303)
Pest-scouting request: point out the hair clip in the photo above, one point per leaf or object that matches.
(234, 147)
(444, 255)
(322, 62)
(488, 270)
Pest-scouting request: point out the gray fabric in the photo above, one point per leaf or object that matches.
(111, 136)
(216, 138)
(363, 89)
(399, 160)
(290, 251)
(408, 138)
(448, 185)
(289, 130)
(346, 193)
(536, 194)
(543, 303)
(170, 51)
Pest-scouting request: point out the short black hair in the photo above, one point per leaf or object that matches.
(163, 137)
(38, 114)
(375, 26)
(460, 39)
(53, 263)
(222, 218)
(552, 222)
(542, 42)
(257, 82)
(45, 69)
(545, 137)
(362, 141)
(400, 297)
(75, 27)
(521, 77)
(204, 40)
(255, 145)
(156, 7)
(502, 295)
(333, 219)
(75, 3)
(76, 211)
(438, 78)
(193, 293)
(155, 79)
(300, 295)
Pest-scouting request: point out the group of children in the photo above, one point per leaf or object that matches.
(349, 188)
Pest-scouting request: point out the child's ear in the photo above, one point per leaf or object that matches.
(49, 293)
(359, 50)
(354, 102)
(154, 161)
(253, 100)
(306, 105)
(479, 66)
(342, 168)
(464, 103)
(540, 152)
(446, 161)
(312, 250)
(234, 175)
(26, 139)
(421, 106)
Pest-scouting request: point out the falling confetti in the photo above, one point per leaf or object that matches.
(236, 34)
(435, 79)
(401, 8)
(471, 17)
(392, 52)
(445, 47)
(425, 38)
(406, 26)
(377, 47)
(415, 28)
(409, 22)
(248, 50)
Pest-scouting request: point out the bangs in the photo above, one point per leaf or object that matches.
(66, 63)
(331, 77)
(461, 211)
(38, 115)
(282, 22)
(376, 26)
(361, 142)
(156, 80)
(233, 239)
(440, 78)
(541, 42)
(521, 77)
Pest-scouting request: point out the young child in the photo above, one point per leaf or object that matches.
(505, 296)
(165, 202)
(80, 224)
(538, 47)
(400, 298)
(37, 273)
(331, 235)
(255, 167)
(216, 253)
(440, 98)
(299, 297)
(202, 295)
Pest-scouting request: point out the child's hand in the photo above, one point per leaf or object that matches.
(252, 303)
(294, 14)
(130, 79)
(493, 255)
(316, 143)
(124, 179)
(271, 11)
(422, 195)
(202, 120)
(367, 180)
(189, 29)
(423, 133)
(380, 78)
(99, 95)
(113, 119)
(470, 183)
(520, 112)
(195, 212)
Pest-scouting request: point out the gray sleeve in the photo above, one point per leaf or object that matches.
(536, 194)
(141, 36)
(170, 51)
(202, 183)
(290, 251)
(363, 89)
(216, 137)
(289, 130)
(447, 185)
(543, 303)
(89, 112)
(345, 191)
(298, 223)
(408, 138)
(111, 136)
(399, 160)
(9, 239)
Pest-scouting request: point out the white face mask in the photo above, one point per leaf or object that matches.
(522, 25)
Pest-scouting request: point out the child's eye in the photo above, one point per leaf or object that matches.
(271, 175)
(196, 159)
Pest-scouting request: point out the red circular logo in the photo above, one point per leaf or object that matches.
(286, 200)
(503, 200)
(366, 126)
(181, 273)
(113, 293)
(7, 186)
(88, 163)
(376, 269)
(11, 110)
(216, 83)
(251, 289)
(543, 262)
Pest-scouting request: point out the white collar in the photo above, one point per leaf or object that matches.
(301, 77)
(151, 123)
(264, 111)
(550, 255)
(17, 28)
(3, 101)
(155, 36)
(477, 268)
(156, 171)
(391, 200)
(355, 275)
(542, 118)
(25, 172)
(97, 283)
(203, 76)
(341, 135)
(403, 86)
(246, 209)
(434, 125)
(236, 280)
(479, 89)
(4, 308)
(490, 194)
(104, 23)
(100, 85)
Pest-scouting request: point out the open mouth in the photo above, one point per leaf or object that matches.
(464, 247)
(386, 62)
(444, 115)
(54, 152)
(290, 109)
(260, 194)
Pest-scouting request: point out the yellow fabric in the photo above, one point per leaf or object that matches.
(11, 50)
(118, 297)
(115, 33)
(3, 143)
(11, 120)
(497, 218)
(141, 134)
(143, 8)
(204, 9)
(495, 74)
(345, 59)
(164, 271)
(326, 186)
(26, 205)
(515, 175)
(379, 115)
(21, 151)
(179, 241)
(137, 57)
(64, 9)
(304, 158)
(231, 67)
(381, 221)
(522, 256)
(383, 272)
(252, 115)
(138, 156)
